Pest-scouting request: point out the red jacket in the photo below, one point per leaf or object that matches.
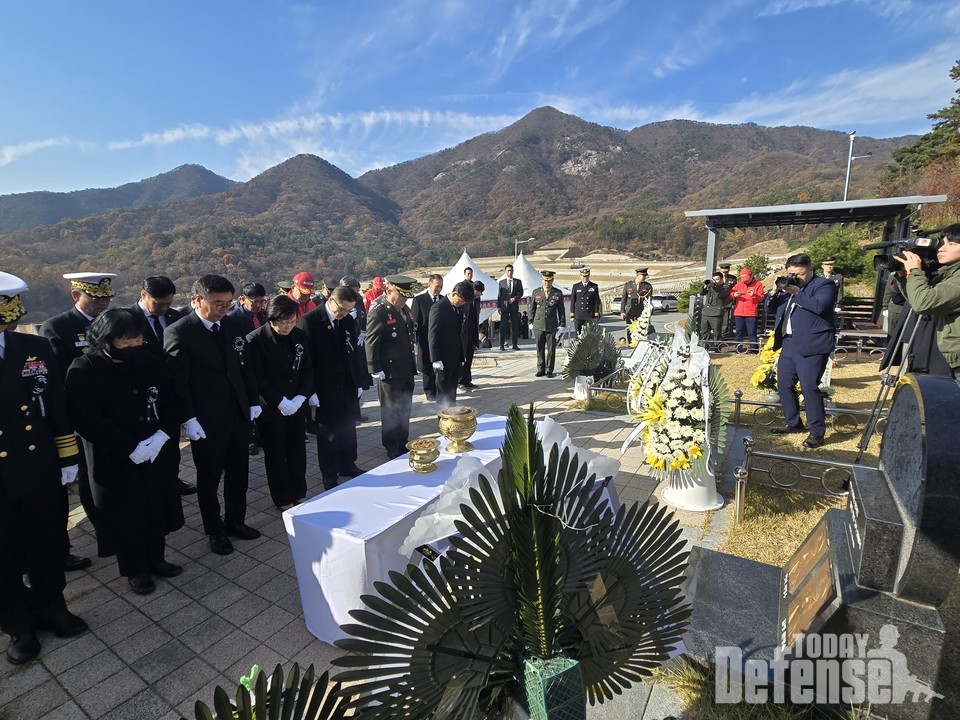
(751, 295)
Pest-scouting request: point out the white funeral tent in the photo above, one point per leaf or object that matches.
(531, 277)
(490, 287)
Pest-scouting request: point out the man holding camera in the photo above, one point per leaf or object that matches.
(939, 296)
(711, 316)
(805, 334)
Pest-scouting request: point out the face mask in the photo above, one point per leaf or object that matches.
(123, 354)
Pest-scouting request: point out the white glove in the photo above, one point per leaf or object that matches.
(298, 400)
(359, 392)
(155, 444)
(286, 407)
(380, 375)
(255, 411)
(69, 474)
(193, 430)
(438, 365)
(560, 331)
(141, 454)
(360, 338)
(313, 401)
(886, 313)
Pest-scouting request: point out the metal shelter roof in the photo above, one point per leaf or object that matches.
(880, 209)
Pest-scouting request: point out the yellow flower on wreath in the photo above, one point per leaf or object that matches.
(657, 462)
(767, 354)
(680, 463)
(656, 411)
(694, 451)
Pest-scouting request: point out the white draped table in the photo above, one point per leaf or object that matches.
(348, 538)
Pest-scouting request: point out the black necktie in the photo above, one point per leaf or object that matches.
(157, 327)
(215, 329)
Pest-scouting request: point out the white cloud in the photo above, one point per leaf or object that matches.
(11, 153)
(706, 34)
(166, 137)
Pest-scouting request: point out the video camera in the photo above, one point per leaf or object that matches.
(783, 281)
(923, 245)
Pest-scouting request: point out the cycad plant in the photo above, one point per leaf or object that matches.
(276, 699)
(592, 352)
(544, 576)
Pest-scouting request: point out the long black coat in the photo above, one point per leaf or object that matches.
(110, 403)
(421, 320)
(207, 377)
(445, 335)
(35, 440)
(283, 365)
(334, 365)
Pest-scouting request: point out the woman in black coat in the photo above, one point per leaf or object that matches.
(120, 399)
(281, 361)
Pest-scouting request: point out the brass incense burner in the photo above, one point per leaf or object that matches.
(423, 452)
(457, 424)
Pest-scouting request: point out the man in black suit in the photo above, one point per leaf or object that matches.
(91, 293)
(359, 315)
(508, 302)
(332, 337)
(445, 337)
(421, 317)
(805, 335)
(390, 359)
(155, 311)
(38, 454)
(249, 307)
(217, 392)
(585, 304)
(471, 333)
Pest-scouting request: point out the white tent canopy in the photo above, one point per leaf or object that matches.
(530, 276)
(455, 275)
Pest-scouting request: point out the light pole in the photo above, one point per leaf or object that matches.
(850, 158)
(517, 243)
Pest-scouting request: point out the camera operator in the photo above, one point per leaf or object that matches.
(714, 294)
(939, 296)
(804, 333)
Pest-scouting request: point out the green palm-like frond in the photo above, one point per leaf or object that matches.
(591, 349)
(624, 623)
(719, 410)
(419, 658)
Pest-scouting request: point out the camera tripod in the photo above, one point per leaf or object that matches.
(889, 380)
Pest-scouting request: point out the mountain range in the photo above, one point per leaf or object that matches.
(549, 175)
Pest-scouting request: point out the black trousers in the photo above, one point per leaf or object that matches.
(83, 490)
(31, 537)
(429, 383)
(466, 375)
(285, 455)
(546, 350)
(447, 387)
(512, 319)
(141, 559)
(223, 452)
(337, 440)
(396, 403)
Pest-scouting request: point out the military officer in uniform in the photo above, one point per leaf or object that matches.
(585, 301)
(635, 294)
(390, 349)
(91, 293)
(38, 454)
(827, 266)
(547, 316)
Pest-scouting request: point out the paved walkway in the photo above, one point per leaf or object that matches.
(151, 657)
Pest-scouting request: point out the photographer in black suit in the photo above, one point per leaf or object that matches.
(216, 388)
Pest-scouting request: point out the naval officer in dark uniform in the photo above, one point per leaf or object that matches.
(585, 305)
(547, 316)
(635, 294)
(38, 454)
(67, 333)
(391, 360)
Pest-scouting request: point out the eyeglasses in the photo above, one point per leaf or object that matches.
(342, 311)
(219, 304)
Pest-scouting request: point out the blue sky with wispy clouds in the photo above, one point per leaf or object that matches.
(102, 93)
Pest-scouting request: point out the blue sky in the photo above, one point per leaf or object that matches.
(101, 93)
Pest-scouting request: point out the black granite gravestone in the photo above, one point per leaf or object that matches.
(876, 571)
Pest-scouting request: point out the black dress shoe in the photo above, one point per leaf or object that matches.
(254, 449)
(185, 488)
(62, 623)
(23, 648)
(516, 347)
(469, 386)
(142, 584)
(352, 471)
(813, 441)
(550, 374)
(72, 563)
(165, 569)
(241, 531)
(219, 544)
(540, 373)
(364, 418)
(787, 429)
(330, 483)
